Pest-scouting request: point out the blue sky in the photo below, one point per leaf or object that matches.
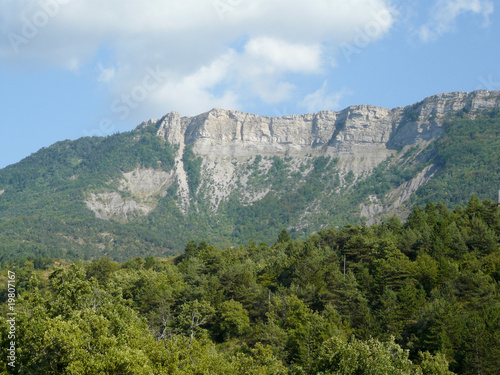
(74, 68)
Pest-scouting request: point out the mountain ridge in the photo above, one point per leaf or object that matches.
(445, 102)
(370, 131)
(229, 176)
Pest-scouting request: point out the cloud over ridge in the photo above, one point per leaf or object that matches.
(212, 51)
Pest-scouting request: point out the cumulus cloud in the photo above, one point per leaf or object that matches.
(446, 12)
(280, 55)
(191, 94)
(216, 53)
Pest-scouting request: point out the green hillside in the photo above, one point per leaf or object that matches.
(43, 210)
(419, 298)
(469, 155)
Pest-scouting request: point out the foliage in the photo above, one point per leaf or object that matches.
(42, 211)
(192, 166)
(414, 298)
(469, 155)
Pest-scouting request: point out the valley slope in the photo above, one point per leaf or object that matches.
(231, 177)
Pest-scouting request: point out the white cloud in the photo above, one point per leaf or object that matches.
(191, 94)
(446, 12)
(272, 91)
(280, 55)
(192, 40)
(261, 69)
(323, 99)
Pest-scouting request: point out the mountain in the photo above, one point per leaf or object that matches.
(230, 177)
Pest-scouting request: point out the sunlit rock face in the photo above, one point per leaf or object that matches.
(359, 138)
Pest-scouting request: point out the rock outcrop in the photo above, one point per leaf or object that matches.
(221, 132)
(137, 195)
(359, 138)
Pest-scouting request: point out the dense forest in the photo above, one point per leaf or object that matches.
(419, 297)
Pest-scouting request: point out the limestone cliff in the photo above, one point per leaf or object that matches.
(359, 138)
(220, 132)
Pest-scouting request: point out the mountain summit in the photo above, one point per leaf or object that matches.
(230, 176)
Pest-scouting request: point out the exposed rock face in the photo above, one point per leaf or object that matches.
(219, 132)
(397, 196)
(359, 137)
(110, 205)
(144, 187)
(424, 120)
(146, 182)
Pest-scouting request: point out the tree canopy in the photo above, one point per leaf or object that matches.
(419, 297)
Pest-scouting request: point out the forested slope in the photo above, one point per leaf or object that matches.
(413, 298)
(43, 210)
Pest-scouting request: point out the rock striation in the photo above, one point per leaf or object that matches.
(359, 137)
(222, 132)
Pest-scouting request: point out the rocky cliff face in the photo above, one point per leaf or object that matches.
(423, 121)
(223, 133)
(138, 193)
(236, 134)
(228, 177)
(358, 138)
